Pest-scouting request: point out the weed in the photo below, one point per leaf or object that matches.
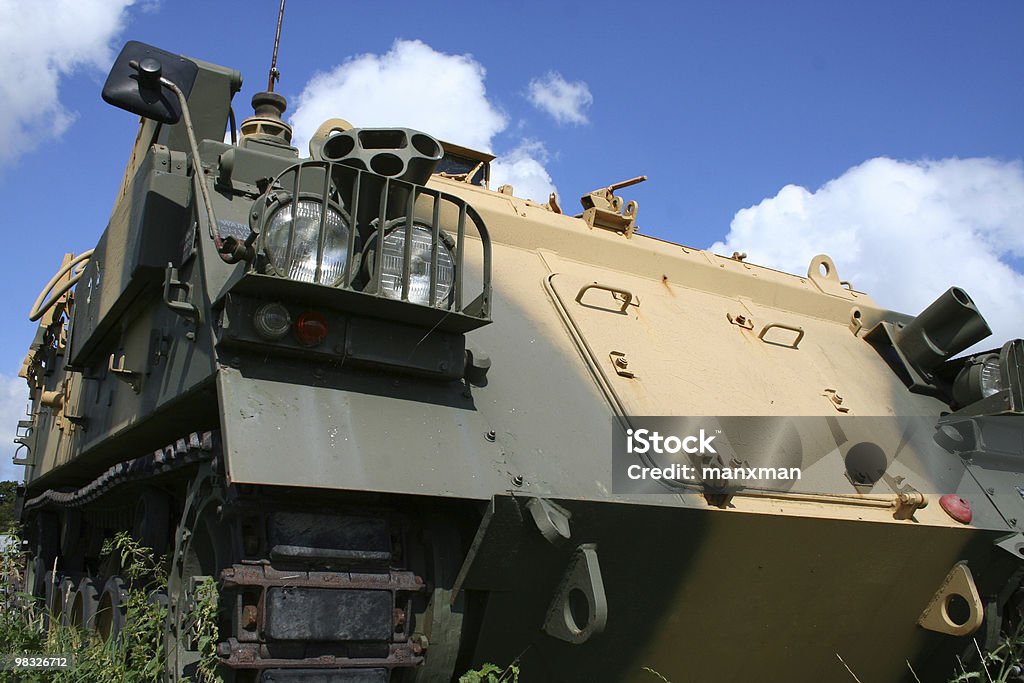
(1003, 664)
(656, 673)
(489, 673)
(204, 628)
(135, 656)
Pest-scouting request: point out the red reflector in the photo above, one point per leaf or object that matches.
(311, 328)
(956, 507)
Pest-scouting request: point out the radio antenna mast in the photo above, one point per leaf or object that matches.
(275, 75)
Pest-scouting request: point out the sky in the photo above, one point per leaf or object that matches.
(887, 134)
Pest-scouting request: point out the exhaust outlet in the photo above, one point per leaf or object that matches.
(949, 325)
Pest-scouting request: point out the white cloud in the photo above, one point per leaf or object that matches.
(412, 85)
(523, 169)
(13, 404)
(415, 86)
(903, 232)
(41, 43)
(563, 100)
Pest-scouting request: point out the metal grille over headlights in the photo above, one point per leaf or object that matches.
(383, 247)
(297, 249)
(420, 265)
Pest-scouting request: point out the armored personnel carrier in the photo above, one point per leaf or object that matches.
(406, 423)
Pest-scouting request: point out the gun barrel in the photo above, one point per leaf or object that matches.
(627, 183)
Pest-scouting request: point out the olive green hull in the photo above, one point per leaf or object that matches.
(702, 595)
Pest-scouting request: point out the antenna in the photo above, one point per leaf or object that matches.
(266, 122)
(275, 75)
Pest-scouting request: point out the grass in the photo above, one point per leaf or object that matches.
(136, 656)
(489, 673)
(1004, 664)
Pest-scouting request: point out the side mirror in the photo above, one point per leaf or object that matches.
(134, 81)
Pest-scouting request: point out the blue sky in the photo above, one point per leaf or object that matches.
(887, 134)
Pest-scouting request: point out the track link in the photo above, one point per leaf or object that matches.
(191, 450)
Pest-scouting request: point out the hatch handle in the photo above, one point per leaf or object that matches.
(624, 294)
(186, 308)
(782, 326)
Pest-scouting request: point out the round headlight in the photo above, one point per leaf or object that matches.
(419, 266)
(991, 377)
(980, 378)
(299, 222)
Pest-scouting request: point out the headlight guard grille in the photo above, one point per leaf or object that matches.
(368, 201)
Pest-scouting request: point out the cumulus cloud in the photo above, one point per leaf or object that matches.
(523, 169)
(13, 404)
(563, 100)
(903, 232)
(40, 44)
(412, 85)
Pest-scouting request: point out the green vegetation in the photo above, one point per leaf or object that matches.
(136, 656)
(204, 625)
(1004, 664)
(8, 491)
(489, 673)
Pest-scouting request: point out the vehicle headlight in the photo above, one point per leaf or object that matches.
(419, 265)
(297, 225)
(992, 374)
(990, 377)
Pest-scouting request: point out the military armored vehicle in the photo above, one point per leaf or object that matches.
(377, 403)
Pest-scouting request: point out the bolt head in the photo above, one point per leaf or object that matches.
(149, 66)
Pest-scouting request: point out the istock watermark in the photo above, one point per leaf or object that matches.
(844, 455)
(651, 441)
(689, 473)
(647, 441)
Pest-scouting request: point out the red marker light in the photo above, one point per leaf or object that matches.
(956, 507)
(311, 328)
